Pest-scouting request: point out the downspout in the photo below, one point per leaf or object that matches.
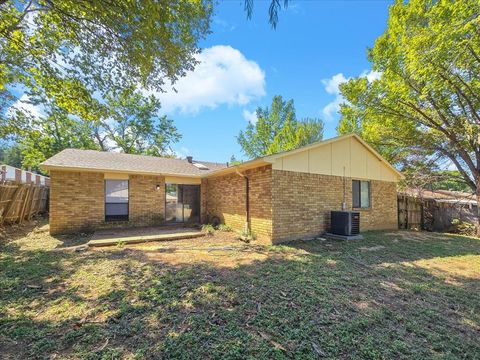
(247, 200)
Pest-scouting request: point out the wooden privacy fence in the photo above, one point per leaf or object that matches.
(432, 215)
(19, 202)
(410, 212)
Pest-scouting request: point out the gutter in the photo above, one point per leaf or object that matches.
(247, 200)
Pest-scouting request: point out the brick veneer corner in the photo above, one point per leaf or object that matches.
(224, 197)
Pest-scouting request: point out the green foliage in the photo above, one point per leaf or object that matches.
(233, 161)
(449, 180)
(100, 45)
(41, 138)
(247, 235)
(463, 227)
(224, 227)
(134, 126)
(11, 154)
(80, 61)
(209, 229)
(128, 122)
(424, 109)
(277, 129)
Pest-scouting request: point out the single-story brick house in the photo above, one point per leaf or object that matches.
(280, 197)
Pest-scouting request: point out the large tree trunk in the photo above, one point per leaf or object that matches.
(476, 179)
(478, 206)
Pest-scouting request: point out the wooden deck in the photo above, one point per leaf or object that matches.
(141, 235)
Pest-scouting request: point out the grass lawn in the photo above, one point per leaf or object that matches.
(393, 295)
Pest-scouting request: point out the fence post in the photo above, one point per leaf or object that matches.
(18, 176)
(13, 204)
(406, 212)
(422, 217)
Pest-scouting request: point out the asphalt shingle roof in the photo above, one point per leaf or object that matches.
(101, 160)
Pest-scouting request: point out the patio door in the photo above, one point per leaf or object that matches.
(182, 203)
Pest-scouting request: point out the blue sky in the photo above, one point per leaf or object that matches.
(317, 45)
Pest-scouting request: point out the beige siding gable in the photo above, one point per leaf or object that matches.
(345, 157)
(321, 160)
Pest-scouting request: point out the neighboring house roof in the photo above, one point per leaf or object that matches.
(10, 173)
(445, 196)
(75, 159)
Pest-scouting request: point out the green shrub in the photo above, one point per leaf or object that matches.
(247, 235)
(224, 227)
(463, 228)
(208, 229)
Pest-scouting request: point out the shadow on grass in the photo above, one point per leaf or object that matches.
(396, 246)
(303, 300)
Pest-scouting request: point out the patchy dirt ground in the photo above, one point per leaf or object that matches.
(392, 295)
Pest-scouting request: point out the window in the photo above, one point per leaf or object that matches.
(360, 194)
(116, 200)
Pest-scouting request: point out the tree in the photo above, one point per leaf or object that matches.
(10, 154)
(449, 180)
(128, 122)
(233, 161)
(134, 126)
(426, 103)
(99, 45)
(39, 138)
(74, 59)
(277, 129)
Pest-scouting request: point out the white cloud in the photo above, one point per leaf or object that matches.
(371, 75)
(223, 76)
(332, 108)
(250, 116)
(332, 86)
(183, 152)
(24, 104)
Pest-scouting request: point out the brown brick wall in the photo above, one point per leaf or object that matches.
(302, 203)
(383, 214)
(146, 203)
(224, 197)
(283, 205)
(77, 202)
(261, 200)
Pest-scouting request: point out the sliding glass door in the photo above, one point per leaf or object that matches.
(182, 203)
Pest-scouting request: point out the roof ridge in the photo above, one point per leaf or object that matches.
(124, 154)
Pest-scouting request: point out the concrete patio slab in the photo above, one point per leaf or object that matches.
(141, 235)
